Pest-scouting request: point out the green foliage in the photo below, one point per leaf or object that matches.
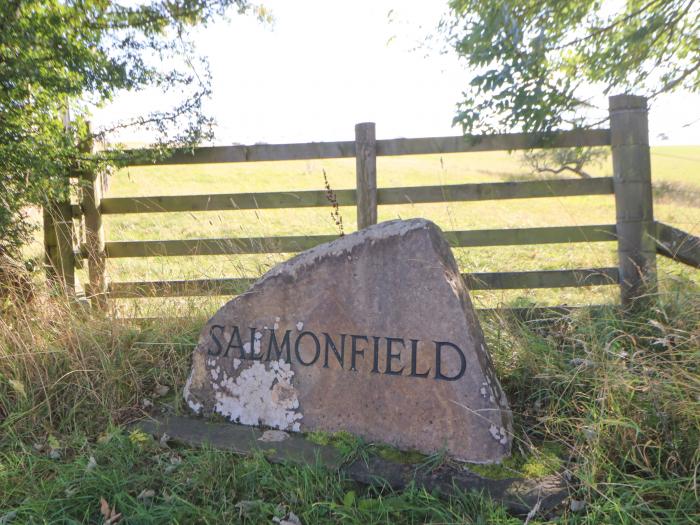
(57, 55)
(535, 61)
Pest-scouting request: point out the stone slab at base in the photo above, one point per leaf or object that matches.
(518, 495)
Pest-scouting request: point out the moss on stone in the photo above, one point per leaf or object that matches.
(543, 461)
(347, 444)
(408, 457)
(319, 437)
(344, 441)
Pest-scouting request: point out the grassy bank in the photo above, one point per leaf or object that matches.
(614, 401)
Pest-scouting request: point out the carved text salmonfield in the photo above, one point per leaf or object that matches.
(352, 352)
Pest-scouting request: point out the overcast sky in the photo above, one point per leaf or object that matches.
(326, 64)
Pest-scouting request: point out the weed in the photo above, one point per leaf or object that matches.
(335, 209)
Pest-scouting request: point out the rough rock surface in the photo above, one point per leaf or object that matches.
(373, 333)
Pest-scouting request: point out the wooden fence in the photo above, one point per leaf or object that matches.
(639, 238)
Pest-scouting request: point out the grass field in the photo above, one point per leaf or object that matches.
(676, 175)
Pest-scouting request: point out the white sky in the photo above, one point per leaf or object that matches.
(328, 64)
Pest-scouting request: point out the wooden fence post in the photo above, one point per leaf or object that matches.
(94, 233)
(59, 258)
(366, 174)
(633, 196)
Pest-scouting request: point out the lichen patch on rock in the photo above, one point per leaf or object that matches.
(259, 395)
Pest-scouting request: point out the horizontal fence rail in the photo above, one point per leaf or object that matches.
(233, 201)
(387, 147)
(385, 196)
(519, 236)
(677, 245)
(541, 279)
(474, 281)
(297, 243)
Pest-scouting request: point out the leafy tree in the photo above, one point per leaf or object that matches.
(536, 60)
(60, 54)
(556, 161)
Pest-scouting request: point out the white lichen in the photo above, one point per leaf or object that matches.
(499, 434)
(260, 395)
(300, 326)
(194, 405)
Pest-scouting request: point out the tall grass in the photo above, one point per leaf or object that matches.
(615, 397)
(621, 395)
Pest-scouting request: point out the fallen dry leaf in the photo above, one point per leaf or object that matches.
(146, 495)
(245, 506)
(111, 516)
(175, 461)
(577, 505)
(271, 436)
(18, 387)
(163, 441)
(289, 519)
(161, 390)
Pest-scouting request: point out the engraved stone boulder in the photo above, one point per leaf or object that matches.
(373, 333)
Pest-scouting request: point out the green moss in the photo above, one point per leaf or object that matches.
(348, 444)
(542, 465)
(319, 437)
(543, 461)
(501, 471)
(345, 442)
(389, 453)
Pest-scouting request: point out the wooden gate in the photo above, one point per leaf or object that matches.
(639, 238)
